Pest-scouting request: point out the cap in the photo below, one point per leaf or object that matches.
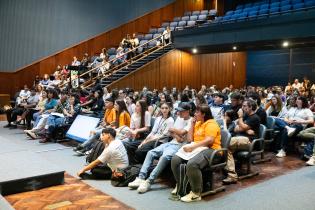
(183, 106)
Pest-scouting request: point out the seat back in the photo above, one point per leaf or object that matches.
(225, 139)
(270, 122)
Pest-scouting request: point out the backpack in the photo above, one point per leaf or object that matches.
(122, 177)
(97, 150)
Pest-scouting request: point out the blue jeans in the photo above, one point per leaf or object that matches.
(165, 152)
(36, 116)
(88, 144)
(280, 124)
(53, 122)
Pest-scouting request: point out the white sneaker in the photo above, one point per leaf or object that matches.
(311, 161)
(32, 134)
(191, 197)
(281, 154)
(136, 183)
(174, 191)
(290, 131)
(144, 186)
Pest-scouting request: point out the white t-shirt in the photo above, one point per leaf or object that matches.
(299, 114)
(115, 155)
(180, 123)
(161, 126)
(131, 108)
(136, 120)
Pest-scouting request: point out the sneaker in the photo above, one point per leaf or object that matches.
(13, 126)
(229, 180)
(145, 186)
(7, 126)
(88, 152)
(79, 147)
(174, 191)
(311, 161)
(81, 152)
(281, 154)
(32, 134)
(136, 183)
(290, 131)
(191, 197)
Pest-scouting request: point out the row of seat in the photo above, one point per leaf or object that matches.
(211, 12)
(265, 10)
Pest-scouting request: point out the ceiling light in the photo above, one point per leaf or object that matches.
(234, 48)
(194, 50)
(285, 44)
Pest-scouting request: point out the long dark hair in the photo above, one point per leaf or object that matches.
(304, 102)
(205, 109)
(144, 108)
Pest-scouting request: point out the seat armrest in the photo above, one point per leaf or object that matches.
(218, 151)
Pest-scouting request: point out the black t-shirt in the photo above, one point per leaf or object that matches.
(262, 115)
(253, 121)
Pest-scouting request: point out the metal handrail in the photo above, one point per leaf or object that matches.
(142, 55)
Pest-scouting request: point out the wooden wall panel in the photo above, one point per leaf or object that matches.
(178, 69)
(108, 39)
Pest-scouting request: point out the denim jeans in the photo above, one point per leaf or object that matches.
(164, 153)
(88, 144)
(53, 122)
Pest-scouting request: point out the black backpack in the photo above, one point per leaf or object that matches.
(183, 186)
(122, 177)
(96, 152)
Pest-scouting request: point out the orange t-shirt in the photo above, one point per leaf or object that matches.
(109, 116)
(208, 128)
(124, 119)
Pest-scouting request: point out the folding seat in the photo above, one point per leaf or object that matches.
(191, 23)
(286, 8)
(274, 10)
(229, 12)
(194, 17)
(152, 31)
(156, 35)
(247, 5)
(212, 12)
(165, 24)
(242, 16)
(238, 11)
(234, 17)
(263, 12)
(247, 9)
(195, 13)
(185, 18)
(216, 20)
(285, 3)
(202, 17)
(226, 18)
(296, 2)
(140, 37)
(148, 36)
(188, 13)
(177, 19)
(204, 12)
(142, 48)
(172, 28)
(298, 6)
(239, 7)
(181, 24)
(309, 3)
(160, 30)
(173, 24)
(254, 8)
(264, 6)
(275, 4)
(252, 14)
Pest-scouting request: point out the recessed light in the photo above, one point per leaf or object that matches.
(234, 48)
(194, 50)
(285, 44)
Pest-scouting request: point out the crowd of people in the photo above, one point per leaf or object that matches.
(171, 126)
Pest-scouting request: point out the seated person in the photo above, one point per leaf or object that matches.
(159, 131)
(69, 116)
(276, 109)
(139, 125)
(29, 102)
(164, 152)
(205, 136)
(114, 157)
(97, 105)
(123, 116)
(296, 120)
(241, 140)
(108, 121)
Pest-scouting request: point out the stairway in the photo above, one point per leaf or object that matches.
(136, 65)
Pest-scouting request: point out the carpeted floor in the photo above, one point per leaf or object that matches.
(276, 187)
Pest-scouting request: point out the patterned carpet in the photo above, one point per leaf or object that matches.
(74, 194)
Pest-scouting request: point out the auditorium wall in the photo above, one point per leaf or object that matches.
(278, 67)
(178, 69)
(11, 82)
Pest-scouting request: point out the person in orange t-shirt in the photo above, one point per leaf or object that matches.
(123, 118)
(110, 115)
(205, 136)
